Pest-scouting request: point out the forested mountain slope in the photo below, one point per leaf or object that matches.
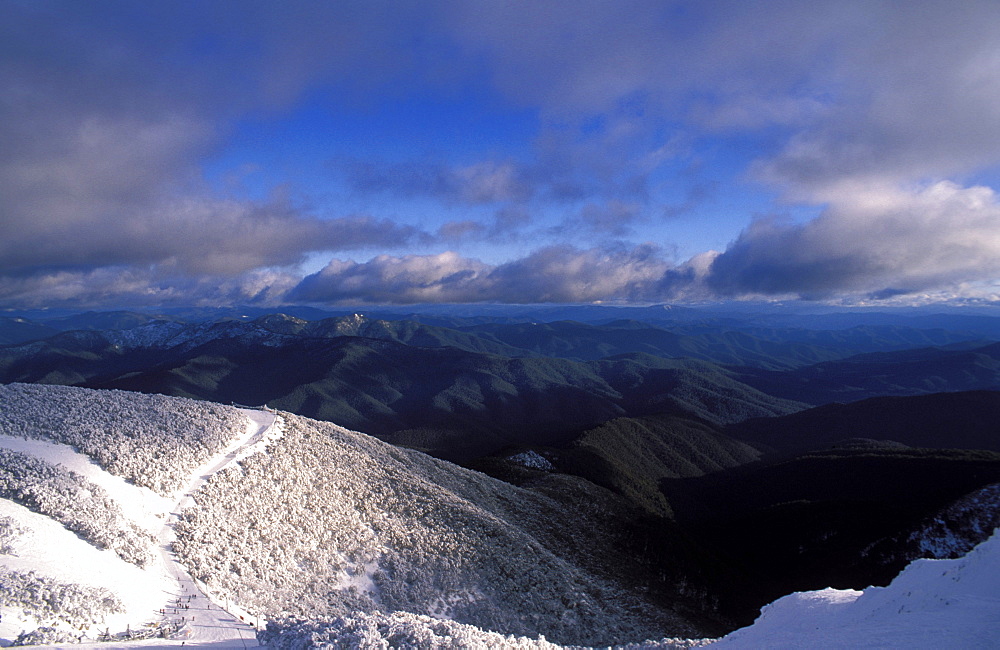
(811, 521)
(18, 330)
(452, 402)
(335, 525)
(906, 372)
(961, 420)
(632, 456)
(331, 522)
(583, 341)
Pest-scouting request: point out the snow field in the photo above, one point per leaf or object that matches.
(49, 550)
(148, 440)
(37, 550)
(141, 505)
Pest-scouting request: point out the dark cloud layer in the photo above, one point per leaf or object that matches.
(882, 112)
(130, 286)
(109, 109)
(191, 236)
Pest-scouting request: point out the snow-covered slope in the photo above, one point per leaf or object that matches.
(150, 440)
(955, 530)
(327, 522)
(332, 522)
(82, 549)
(337, 539)
(931, 604)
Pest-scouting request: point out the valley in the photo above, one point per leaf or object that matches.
(597, 482)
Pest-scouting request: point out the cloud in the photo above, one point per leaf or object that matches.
(553, 274)
(883, 112)
(877, 241)
(459, 230)
(613, 218)
(135, 287)
(193, 235)
(446, 277)
(697, 193)
(610, 157)
(915, 100)
(841, 92)
(567, 274)
(483, 182)
(110, 113)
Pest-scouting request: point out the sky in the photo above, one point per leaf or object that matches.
(333, 153)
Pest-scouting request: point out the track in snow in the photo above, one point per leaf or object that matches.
(204, 622)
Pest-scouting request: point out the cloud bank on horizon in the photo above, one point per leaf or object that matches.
(520, 152)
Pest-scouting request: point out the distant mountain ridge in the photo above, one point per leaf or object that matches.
(469, 390)
(453, 393)
(903, 372)
(958, 420)
(621, 330)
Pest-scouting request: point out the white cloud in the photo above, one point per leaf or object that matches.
(446, 277)
(555, 274)
(135, 287)
(876, 240)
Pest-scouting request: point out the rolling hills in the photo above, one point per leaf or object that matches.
(959, 420)
(904, 372)
(454, 402)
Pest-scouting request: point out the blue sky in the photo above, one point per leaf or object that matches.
(216, 153)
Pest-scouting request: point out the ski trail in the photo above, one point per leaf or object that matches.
(202, 621)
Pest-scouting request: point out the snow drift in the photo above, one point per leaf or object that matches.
(931, 604)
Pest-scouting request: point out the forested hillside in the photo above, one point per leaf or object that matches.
(328, 522)
(960, 420)
(452, 402)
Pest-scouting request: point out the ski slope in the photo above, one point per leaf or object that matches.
(160, 598)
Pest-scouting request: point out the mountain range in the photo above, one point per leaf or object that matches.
(681, 471)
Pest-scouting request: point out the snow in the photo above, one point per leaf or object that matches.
(143, 506)
(165, 334)
(531, 459)
(930, 604)
(159, 594)
(52, 551)
(961, 525)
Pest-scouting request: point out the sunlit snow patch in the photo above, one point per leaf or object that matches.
(140, 504)
(930, 604)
